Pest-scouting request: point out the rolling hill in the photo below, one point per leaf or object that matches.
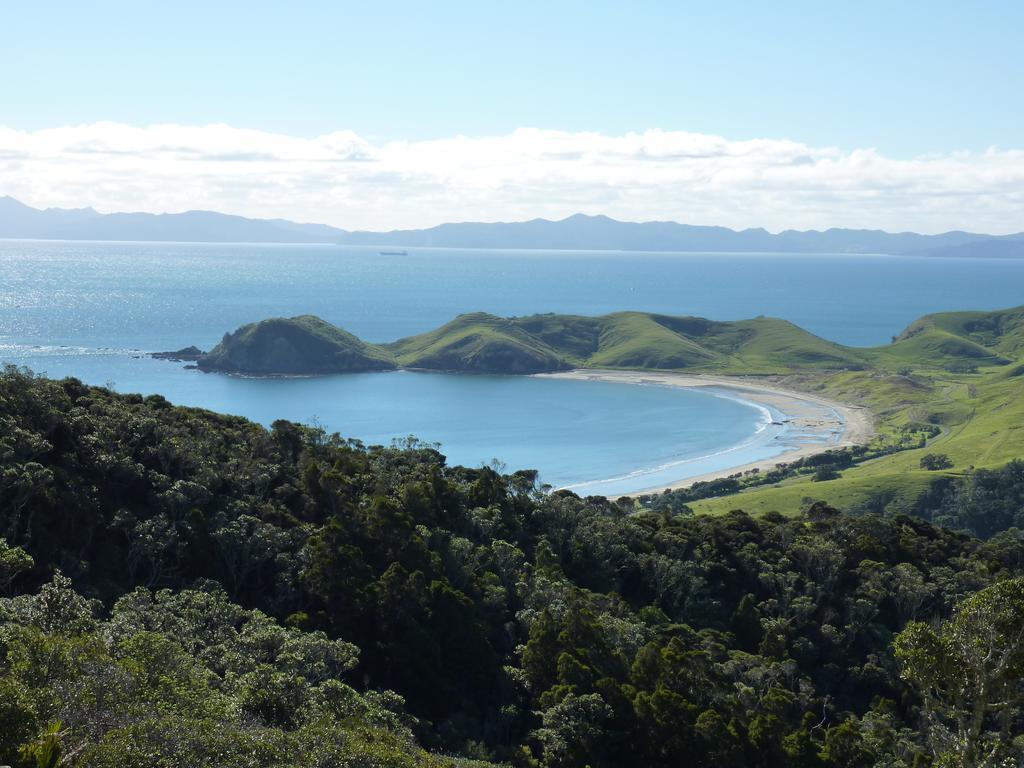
(484, 343)
(958, 372)
(480, 343)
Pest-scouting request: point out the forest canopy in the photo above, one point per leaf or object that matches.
(186, 588)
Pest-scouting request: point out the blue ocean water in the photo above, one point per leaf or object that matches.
(88, 309)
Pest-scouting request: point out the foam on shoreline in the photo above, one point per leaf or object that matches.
(805, 424)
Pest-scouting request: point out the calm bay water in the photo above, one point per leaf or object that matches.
(86, 309)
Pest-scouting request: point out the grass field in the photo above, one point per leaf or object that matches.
(981, 417)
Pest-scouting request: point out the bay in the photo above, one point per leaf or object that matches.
(90, 309)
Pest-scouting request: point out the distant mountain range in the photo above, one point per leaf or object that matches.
(578, 232)
(18, 220)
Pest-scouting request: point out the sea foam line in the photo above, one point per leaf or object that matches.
(763, 424)
(62, 350)
(768, 418)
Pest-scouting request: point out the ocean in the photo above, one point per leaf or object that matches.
(92, 310)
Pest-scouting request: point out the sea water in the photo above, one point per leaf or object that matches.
(91, 310)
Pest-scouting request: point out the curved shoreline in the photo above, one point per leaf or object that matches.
(814, 429)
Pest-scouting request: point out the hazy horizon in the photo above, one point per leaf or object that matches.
(561, 219)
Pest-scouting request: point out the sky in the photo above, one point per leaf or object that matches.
(397, 114)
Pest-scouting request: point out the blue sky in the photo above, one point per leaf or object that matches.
(895, 115)
(904, 77)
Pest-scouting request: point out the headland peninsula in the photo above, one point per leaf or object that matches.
(892, 399)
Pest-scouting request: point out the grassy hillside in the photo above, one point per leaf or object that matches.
(980, 417)
(1001, 331)
(484, 343)
(304, 344)
(763, 345)
(479, 343)
(957, 374)
(636, 340)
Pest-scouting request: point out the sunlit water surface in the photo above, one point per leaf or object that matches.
(90, 309)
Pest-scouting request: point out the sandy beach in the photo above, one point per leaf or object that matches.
(819, 422)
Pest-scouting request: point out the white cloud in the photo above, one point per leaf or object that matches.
(345, 180)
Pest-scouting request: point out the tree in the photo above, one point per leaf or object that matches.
(825, 473)
(572, 730)
(934, 461)
(13, 561)
(970, 674)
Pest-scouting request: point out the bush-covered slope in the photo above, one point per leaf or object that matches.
(296, 345)
(536, 629)
(184, 678)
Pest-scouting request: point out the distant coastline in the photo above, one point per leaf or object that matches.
(579, 232)
(822, 423)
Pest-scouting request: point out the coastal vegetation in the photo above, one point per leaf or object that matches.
(945, 393)
(189, 588)
(941, 428)
(193, 586)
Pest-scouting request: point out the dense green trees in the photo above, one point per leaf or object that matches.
(984, 503)
(970, 674)
(233, 595)
(183, 679)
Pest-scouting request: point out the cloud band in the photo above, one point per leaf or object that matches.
(351, 182)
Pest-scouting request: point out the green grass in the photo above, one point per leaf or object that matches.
(981, 417)
(935, 347)
(323, 332)
(1002, 330)
(771, 345)
(629, 340)
(761, 346)
(638, 340)
(481, 342)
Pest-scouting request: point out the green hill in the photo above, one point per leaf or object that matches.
(999, 333)
(483, 343)
(641, 340)
(296, 345)
(976, 413)
(637, 340)
(479, 343)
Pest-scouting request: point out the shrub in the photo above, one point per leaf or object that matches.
(933, 461)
